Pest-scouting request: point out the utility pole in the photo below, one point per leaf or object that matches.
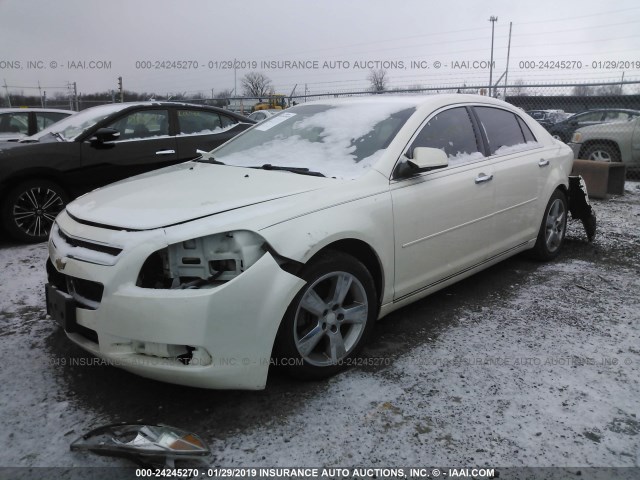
(120, 89)
(75, 96)
(493, 21)
(40, 90)
(506, 73)
(70, 95)
(6, 89)
(44, 99)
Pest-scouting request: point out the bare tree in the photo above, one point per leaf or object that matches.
(609, 90)
(583, 90)
(519, 89)
(222, 97)
(256, 84)
(378, 79)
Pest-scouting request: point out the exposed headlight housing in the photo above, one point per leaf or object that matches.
(577, 137)
(203, 261)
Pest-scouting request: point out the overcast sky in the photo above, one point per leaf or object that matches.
(61, 38)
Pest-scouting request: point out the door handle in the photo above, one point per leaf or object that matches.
(543, 162)
(165, 152)
(481, 178)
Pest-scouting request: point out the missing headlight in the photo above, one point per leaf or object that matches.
(199, 262)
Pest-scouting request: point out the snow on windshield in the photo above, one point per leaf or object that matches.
(74, 125)
(339, 140)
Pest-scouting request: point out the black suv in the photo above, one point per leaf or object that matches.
(97, 146)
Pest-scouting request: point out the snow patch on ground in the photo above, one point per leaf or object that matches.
(544, 373)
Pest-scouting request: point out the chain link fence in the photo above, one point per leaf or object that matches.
(601, 121)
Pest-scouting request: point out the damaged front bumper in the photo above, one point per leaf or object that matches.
(580, 207)
(215, 337)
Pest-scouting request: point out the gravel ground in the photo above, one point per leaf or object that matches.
(525, 364)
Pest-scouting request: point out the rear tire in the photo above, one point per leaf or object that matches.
(329, 320)
(29, 209)
(553, 228)
(602, 153)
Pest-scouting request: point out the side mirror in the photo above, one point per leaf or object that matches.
(424, 159)
(105, 135)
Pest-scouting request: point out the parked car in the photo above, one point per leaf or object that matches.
(97, 146)
(17, 123)
(260, 115)
(288, 242)
(564, 129)
(546, 118)
(610, 142)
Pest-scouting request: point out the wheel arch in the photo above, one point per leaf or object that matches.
(29, 175)
(364, 253)
(590, 143)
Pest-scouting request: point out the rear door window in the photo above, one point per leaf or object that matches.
(198, 122)
(503, 130)
(44, 119)
(15, 122)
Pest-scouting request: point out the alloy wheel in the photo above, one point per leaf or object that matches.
(330, 319)
(555, 225)
(35, 210)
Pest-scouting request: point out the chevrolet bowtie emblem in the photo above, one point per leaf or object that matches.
(61, 263)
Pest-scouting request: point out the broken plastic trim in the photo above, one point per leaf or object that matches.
(143, 444)
(288, 265)
(201, 262)
(579, 205)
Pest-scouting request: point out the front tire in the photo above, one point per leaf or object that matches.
(29, 209)
(553, 228)
(329, 320)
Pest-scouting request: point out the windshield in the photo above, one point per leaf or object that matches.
(337, 140)
(71, 127)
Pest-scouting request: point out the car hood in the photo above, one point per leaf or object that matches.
(186, 192)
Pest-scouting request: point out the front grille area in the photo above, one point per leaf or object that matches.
(87, 333)
(86, 293)
(84, 250)
(76, 242)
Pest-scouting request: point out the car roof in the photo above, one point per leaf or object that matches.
(626, 110)
(34, 109)
(131, 105)
(416, 100)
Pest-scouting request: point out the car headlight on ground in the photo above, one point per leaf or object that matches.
(577, 137)
(202, 262)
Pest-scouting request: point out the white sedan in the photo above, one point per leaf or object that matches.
(260, 115)
(285, 245)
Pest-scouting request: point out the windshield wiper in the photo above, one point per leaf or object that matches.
(59, 136)
(206, 157)
(300, 170)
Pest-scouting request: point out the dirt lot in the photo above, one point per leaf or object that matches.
(525, 364)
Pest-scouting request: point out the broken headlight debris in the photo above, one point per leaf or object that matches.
(144, 444)
(201, 262)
